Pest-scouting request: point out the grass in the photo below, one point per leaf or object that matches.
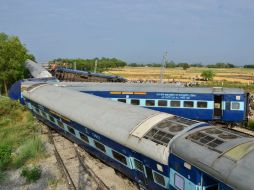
(53, 182)
(31, 148)
(19, 136)
(251, 124)
(2, 176)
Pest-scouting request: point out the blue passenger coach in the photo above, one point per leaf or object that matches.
(157, 150)
(224, 105)
(227, 105)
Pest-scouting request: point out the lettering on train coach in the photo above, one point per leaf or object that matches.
(96, 136)
(176, 96)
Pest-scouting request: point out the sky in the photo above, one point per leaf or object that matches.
(140, 31)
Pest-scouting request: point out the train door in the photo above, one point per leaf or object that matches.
(149, 175)
(217, 112)
(140, 173)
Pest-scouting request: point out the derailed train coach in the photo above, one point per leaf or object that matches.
(219, 105)
(156, 150)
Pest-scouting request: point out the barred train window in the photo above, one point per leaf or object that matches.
(202, 104)
(179, 182)
(227, 105)
(71, 130)
(44, 114)
(162, 103)
(60, 124)
(51, 119)
(99, 146)
(188, 104)
(235, 105)
(119, 157)
(36, 110)
(135, 102)
(150, 103)
(159, 179)
(175, 104)
(84, 137)
(138, 165)
(122, 100)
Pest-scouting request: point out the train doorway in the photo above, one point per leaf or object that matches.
(217, 113)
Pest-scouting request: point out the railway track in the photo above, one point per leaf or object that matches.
(77, 174)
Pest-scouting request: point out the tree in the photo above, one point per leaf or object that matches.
(208, 74)
(13, 55)
(248, 66)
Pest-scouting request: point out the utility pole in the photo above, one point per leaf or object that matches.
(95, 65)
(163, 66)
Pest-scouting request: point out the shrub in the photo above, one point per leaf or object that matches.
(251, 124)
(208, 74)
(31, 174)
(5, 156)
(30, 149)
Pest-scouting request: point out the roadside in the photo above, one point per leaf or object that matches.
(24, 148)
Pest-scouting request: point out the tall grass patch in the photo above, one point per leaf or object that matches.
(31, 149)
(251, 124)
(19, 136)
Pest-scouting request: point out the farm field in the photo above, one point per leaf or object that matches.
(239, 75)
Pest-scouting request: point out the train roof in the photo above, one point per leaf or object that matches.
(145, 131)
(85, 73)
(148, 87)
(36, 69)
(225, 154)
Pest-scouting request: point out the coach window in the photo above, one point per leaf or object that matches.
(228, 104)
(119, 157)
(202, 104)
(135, 102)
(138, 165)
(51, 119)
(179, 182)
(162, 103)
(188, 104)
(175, 104)
(122, 100)
(99, 146)
(60, 124)
(71, 130)
(37, 110)
(84, 137)
(44, 114)
(159, 179)
(150, 103)
(235, 105)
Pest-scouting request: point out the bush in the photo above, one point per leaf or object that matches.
(30, 149)
(5, 156)
(251, 124)
(208, 74)
(32, 174)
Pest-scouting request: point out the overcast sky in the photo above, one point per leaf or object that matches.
(206, 31)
